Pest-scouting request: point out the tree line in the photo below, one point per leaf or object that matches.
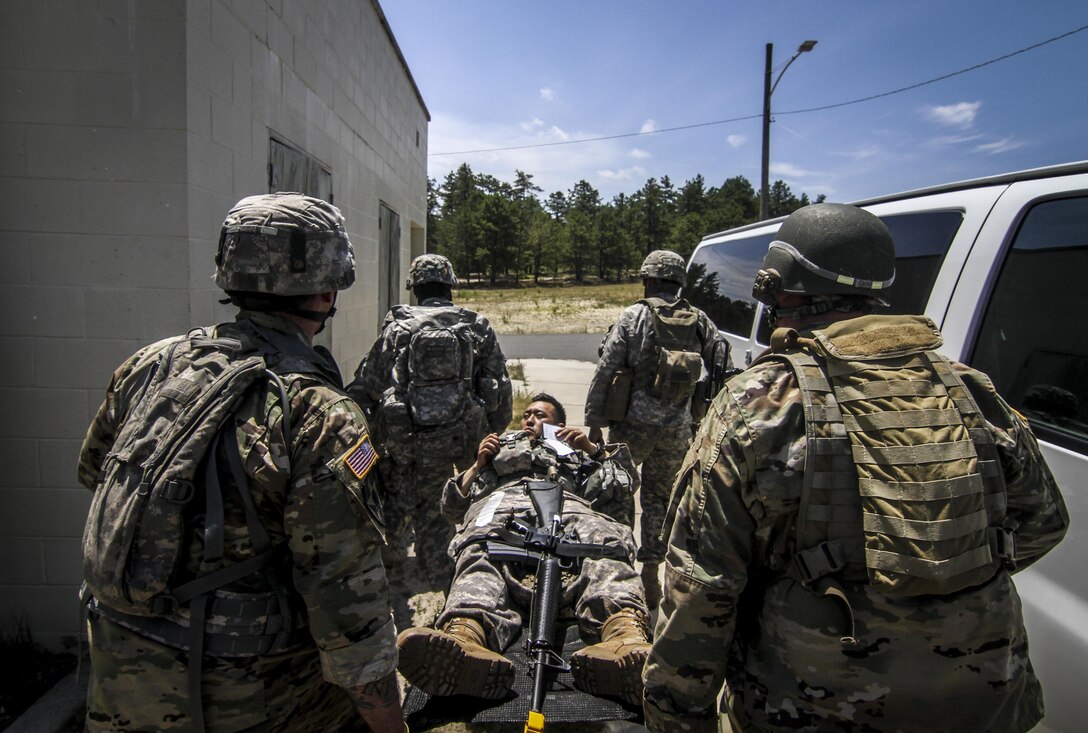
(497, 231)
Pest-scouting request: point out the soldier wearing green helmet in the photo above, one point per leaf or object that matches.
(847, 522)
(275, 614)
(644, 391)
(435, 383)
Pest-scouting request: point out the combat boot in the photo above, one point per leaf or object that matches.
(651, 583)
(614, 666)
(454, 661)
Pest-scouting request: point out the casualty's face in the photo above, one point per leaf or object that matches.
(534, 417)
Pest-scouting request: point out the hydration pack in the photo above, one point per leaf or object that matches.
(679, 363)
(163, 459)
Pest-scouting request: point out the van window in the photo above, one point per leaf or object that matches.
(921, 241)
(1032, 338)
(720, 282)
(720, 275)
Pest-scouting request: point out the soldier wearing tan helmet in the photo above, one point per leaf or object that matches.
(849, 517)
(435, 382)
(232, 550)
(650, 364)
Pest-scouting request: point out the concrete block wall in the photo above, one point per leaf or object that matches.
(126, 132)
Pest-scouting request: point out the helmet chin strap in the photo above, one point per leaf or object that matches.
(321, 317)
(819, 305)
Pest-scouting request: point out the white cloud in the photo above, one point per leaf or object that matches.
(648, 126)
(547, 94)
(639, 153)
(961, 114)
(1000, 146)
(534, 124)
(953, 140)
(789, 170)
(634, 173)
(862, 153)
(554, 168)
(735, 141)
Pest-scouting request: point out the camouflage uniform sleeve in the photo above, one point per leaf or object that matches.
(454, 503)
(335, 541)
(710, 548)
(613, 356)
(1036, 510)
(491, 365)
(714, 344)
(102, 431)
(375, 372)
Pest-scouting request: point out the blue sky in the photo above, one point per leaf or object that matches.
(501, 73)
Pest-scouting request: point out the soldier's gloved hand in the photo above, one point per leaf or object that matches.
(489, 446)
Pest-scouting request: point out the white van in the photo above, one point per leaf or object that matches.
(1001, 265)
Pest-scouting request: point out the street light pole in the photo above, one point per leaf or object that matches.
(768, 90)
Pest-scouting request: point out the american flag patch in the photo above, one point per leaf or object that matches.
(362, 457)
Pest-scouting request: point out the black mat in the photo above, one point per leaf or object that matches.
(564, 703)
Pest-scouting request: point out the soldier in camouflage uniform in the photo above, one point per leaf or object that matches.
(816, 638)
(656, 428)
(424, 455)
(489, 598)
(338, 663)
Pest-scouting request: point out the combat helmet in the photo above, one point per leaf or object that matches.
(828, 250)
(663, 264)
(430, 269)
(284, 244)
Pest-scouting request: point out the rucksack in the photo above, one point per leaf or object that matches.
(439, 374)
(432, 413)
(903, 487)
(679, 363)
(163, 459)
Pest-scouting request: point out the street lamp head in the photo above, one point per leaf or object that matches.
(806, 46)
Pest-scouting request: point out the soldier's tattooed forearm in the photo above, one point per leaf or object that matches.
(378, 694)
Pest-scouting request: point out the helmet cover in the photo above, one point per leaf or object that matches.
(430, 268)
(284, 244)
(663, 264)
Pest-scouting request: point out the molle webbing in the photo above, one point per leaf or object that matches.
(679, 348)
(902, 482)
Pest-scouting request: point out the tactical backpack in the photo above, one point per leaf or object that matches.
(679, 363)
(163, 460)
(432, 412)
(903, 487)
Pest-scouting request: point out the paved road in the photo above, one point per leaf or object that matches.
(577, 346)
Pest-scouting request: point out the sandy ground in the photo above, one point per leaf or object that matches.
(575, 309)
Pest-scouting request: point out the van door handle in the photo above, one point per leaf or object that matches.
(747, 357)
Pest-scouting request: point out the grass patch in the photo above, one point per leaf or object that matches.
(551, 309)
(522, 393)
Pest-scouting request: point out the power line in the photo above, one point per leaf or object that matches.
(757, 116)
(937, 79)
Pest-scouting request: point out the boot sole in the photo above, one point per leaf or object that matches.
(610, 677)
(438, 665)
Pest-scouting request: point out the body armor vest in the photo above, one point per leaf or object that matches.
(903, 487)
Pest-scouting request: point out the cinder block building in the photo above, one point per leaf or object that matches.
(127, 130)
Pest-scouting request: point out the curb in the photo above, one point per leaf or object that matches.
(51, 711)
